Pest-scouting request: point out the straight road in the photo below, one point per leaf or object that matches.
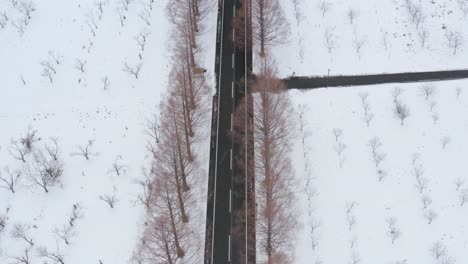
(227, 227)
(355, 80)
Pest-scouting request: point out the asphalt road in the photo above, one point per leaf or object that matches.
(355, 80)
(226, 239)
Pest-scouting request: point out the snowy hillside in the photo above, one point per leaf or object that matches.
(384, 36)
(413, 189)
(83, 74)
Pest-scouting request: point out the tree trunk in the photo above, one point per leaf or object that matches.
(181, 160)
(179, 190)
(180, 251)
(261, 4)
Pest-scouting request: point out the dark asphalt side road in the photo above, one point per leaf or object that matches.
(356, 80)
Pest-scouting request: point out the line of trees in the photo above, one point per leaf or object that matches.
(268, 26)
(170, 185)
(276, 214)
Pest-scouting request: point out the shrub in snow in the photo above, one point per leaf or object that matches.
(45, 170)
(401, 111)
(56, 257)
(430, 215)
(3, 220)
(110, 199)
(86, 151)
(20, 231)
(10, 179)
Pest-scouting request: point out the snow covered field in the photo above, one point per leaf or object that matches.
(384, 31)
(352, 204)
(62, 76)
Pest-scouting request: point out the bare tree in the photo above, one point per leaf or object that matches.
(105, 83)
(133, 70)
(351, 220)
(3, 19)
(423, 34)
(121, 14)
(378, 158)
(110, 199)
(46, 64)
(358, 43)
(29, 138)
(48, 74)
(374, 144)
(427, 90)
(146, 182)
(3, 222)
(393, 232)
(349, 207)
(432, 105)
(337, 132)
(275, 196)
(100, 5)
(418, 171)
(22, 259)
(53, 149)
(10, 180)
(269, 24)
(421, 184)
(56, 57)
(460, 182)
(56, 257)
(66, 233)
(381, 175)
(368, 117)
(352, 14)
(324, 7)
(77, 213)
(396, 92)
(86, 151)
(80, 65)
(445, 140)
(20, 231)
(45, 170)
(125, 3)
(18, 24)
(401, 111)
(455, 40)
(435, 118)
(385, 40)
(463, 196)
(430, 215)
(145, 15)
(117, 166)
(153, 135)
(355, 258)
(17, 151)
(330, 39)
(438, 250)
(426, 201)
(458, 92)
(26, 7)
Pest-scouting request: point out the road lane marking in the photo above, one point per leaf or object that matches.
(232, 124)
(233, 60)
(230, 200)
(230, 161)
(229, 249)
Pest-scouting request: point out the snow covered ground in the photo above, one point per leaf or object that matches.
(346, 210)
(385, 31)
(98, 102)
